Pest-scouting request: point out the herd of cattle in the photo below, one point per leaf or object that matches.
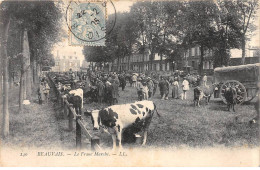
(118, 120)
(129, 118)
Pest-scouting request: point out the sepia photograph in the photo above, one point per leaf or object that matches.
(122, 83)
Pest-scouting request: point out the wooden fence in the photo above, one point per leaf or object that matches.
(67, 111)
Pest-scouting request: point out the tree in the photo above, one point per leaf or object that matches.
(199, 26)
(243, 13)
(38, 22)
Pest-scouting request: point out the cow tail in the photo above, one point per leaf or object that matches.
(156, 110)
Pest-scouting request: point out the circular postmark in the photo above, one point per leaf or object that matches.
(87, 20)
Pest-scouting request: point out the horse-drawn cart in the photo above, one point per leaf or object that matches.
(242, 77)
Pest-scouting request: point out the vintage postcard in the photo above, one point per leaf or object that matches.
(120, 83)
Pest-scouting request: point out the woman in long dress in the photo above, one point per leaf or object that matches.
(175, 88)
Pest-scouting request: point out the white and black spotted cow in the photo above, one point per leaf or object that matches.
(117, 118)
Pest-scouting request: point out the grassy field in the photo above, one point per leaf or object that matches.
(181, 124)
(38, 127)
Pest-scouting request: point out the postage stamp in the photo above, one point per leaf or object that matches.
(87, 23)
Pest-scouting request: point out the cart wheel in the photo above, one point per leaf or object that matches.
(241, 96)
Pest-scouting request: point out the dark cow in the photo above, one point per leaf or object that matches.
(230, 95)
(75, 97)
(198, 95)
(117, 118)
(92, 94)
(76, 101)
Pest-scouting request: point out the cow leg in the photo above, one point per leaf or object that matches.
(119, 137)
(114, 142)
(198, 103)
(147, 124)
(145, 137)
(80, 111)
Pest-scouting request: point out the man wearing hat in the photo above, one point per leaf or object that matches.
(150, 86)
(205, 79)
(164, 88)
(101, 91)
(134, 79)
(139, 87)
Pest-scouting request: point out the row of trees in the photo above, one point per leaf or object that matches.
(28, 31)
(171, 27)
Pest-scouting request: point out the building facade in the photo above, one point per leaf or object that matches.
(66, 61)
(190, 62)
(141, 63)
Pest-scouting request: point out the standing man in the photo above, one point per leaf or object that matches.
(115, 91)
(155, 82)
(134, 80)
(139, 87)
(101, 91)
(46, 91)
(163, 88)
(205, 79)
(150, 86)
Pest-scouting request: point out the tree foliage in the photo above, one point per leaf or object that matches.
(171, 27)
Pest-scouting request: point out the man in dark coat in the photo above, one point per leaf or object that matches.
(115, 94)
(122, 80)
(155, 82)
(101, 91)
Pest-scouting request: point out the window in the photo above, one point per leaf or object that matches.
(157, 67)
(192, 51)
(64, 57)
(146, 67)
(76, 58)
(163, 67)
(168, 66)
(70, 57)
(193, 64)
(198, 49)
(210, 65)
(57, 63)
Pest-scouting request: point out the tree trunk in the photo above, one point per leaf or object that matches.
(118, 63)
(128, 62)
(151, 59)
(35, 77)
(160, 61)
(11, 72)
(5, 84)
(1, 87)
(243, 50)
(27, 67)
(201, 60)
(21, 92)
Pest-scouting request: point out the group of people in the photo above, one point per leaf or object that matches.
(104, 87)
